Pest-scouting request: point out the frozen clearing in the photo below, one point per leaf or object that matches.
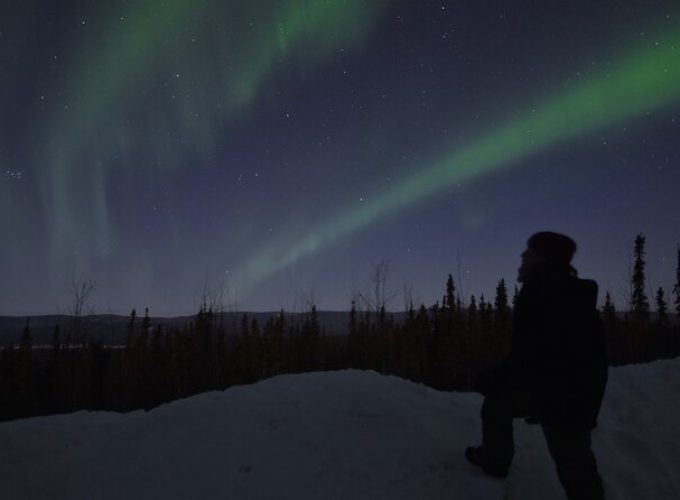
(335, 435)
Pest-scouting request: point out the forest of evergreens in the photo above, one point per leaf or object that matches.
(447, 346)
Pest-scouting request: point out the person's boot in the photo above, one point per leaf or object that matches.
(475, 455)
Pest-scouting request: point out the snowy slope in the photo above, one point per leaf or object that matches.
(345, 435)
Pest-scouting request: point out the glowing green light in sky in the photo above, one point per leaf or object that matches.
(645, 80)
(154, 89)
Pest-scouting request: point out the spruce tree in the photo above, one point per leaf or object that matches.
(676, 287)
(314, 320)
(143, 338)
(130, 332)
(639, 302)
(473, 333)
(661, 307)
(501, 316)
(488, 341)
(146, 322)
(472, 310)
(450, 293)
(485, 314)
(501, 302)
(608, 310)
(613, 337)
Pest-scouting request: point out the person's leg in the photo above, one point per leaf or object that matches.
(498, 446)
(575, 463)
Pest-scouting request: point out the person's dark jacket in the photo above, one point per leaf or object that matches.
(558, 351)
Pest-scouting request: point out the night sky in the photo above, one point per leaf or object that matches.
(279, 149)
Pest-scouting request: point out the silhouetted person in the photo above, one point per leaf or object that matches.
(556, 372)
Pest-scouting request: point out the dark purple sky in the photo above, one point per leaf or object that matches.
(160, 149)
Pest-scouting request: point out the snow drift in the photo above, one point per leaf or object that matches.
(336, 435)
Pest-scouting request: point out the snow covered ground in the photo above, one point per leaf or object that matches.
(339, 435)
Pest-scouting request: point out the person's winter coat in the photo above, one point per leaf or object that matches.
(558, 352)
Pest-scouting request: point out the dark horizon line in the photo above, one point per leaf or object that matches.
(669, 313)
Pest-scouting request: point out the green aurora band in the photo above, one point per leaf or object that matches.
(647, 79)
(217, 57)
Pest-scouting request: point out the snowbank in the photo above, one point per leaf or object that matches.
(339, 435)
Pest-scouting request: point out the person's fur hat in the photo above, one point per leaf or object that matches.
(553, 247)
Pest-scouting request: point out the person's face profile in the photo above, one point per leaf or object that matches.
(530, 262)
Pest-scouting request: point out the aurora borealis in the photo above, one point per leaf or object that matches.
(647, 80)
(278, 149)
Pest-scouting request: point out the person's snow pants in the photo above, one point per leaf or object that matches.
(569, 448)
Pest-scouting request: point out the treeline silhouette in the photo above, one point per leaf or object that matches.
(449, 347)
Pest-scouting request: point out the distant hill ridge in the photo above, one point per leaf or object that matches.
(110, 328)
